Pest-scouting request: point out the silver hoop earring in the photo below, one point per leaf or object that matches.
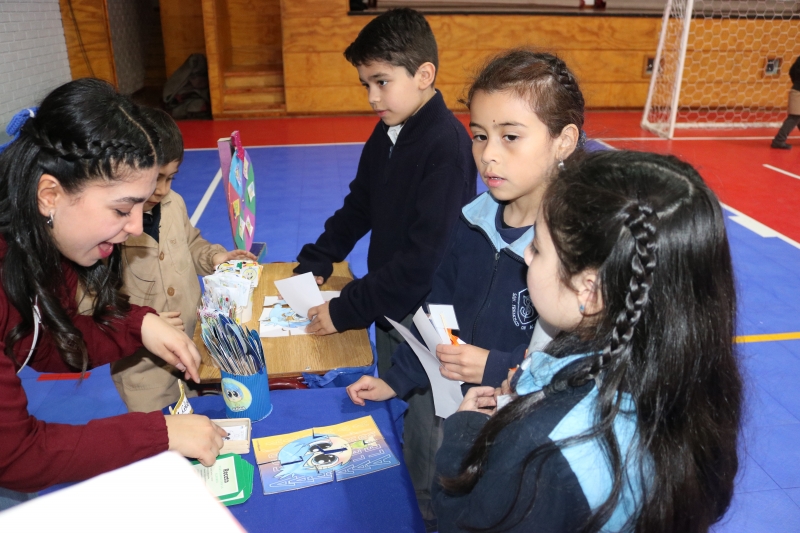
(50, 220)
(561, 165)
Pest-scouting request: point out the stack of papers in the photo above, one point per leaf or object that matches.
(447, 395)
(230, 479)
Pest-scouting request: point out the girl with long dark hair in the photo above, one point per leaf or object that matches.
(628, 421)
(72, 187)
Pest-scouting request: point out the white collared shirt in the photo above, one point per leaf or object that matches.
(393, 132)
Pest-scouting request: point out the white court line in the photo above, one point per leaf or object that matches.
(776, 169)
(248, 147)
(758, 228)
(603, 143)
(198, 212)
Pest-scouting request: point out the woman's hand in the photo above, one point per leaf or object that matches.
(369, 388)
(173, 318)
(233, 255)
(195, 436)
(462, 362)
(479, 399)
(171, 345)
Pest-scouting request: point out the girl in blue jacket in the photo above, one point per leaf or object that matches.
(630, 420)
(526, 115)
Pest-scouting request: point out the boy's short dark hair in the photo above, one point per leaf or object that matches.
(401, 37)
(170, 139)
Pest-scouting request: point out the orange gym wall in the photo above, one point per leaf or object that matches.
(607, 53)
(285, 56)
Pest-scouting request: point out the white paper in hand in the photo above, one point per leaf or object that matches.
(447, 395)
(300, 292)
(443, 316)
(427, 331)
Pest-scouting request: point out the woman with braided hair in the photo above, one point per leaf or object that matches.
(629, 418)
(72, 187)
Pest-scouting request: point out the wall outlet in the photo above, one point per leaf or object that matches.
(773, 66)
(649, 65)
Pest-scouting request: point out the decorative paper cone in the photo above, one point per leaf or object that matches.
(246, 396)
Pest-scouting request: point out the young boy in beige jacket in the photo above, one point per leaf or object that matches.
(160, 269)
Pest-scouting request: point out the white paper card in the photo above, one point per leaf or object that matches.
(220, 478)
(236, 433)
(267, 330)
(330, 295)
(300, 292)
(447, 395)
(428, 332)
(443, 316)
(269, 301)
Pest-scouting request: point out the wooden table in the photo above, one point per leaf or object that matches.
(289, 356)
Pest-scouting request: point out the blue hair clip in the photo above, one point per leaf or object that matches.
(16, 123)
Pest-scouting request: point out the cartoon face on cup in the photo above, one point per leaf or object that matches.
(237, 397)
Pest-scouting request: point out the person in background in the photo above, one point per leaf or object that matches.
(793, 120)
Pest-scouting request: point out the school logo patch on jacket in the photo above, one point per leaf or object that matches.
(522, 309)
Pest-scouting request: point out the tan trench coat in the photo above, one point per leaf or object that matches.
(162, 275)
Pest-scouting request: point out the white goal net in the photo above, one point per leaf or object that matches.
(722, 64)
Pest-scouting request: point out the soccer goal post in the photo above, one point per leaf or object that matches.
(722, 64)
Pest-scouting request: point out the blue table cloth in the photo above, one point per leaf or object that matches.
(382, 501)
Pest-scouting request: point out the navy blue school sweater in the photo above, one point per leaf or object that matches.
(484, 279)
(409, 195)
(564, 489)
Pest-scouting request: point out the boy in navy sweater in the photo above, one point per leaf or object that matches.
(416, 172)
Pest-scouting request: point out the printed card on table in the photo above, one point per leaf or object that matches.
(321, 455)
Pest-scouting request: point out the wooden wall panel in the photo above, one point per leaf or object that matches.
(315, 8)
(323, 100)
(255, 32)
(182, 31)
(567, 33)
(319, 34)
(215, 28)
(91, 17)
(603, 51)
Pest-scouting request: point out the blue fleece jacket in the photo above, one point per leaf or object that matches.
(483, 278)
(409, 195)
(556, 494)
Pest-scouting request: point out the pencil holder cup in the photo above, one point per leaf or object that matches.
(246, 396)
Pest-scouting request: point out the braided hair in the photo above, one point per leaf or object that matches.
(654, 233)
(83, 132)
(539, 78)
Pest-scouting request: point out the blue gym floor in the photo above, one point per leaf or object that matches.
(300, 186)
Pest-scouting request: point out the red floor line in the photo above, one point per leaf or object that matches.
(63, 376)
